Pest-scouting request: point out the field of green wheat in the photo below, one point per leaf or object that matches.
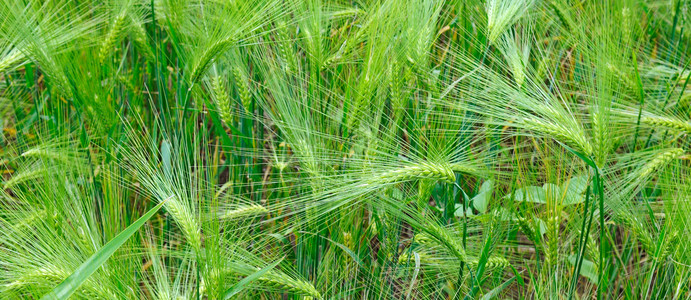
(345, 149)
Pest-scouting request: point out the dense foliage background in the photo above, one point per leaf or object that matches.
(333, 149)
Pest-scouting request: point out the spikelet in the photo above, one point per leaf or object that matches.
(670, 244)
(493, 262)
(50, 273)
(208, 55)
(111, 37)
(361, 101)
(515, 53)
(425, 170)
(188, 224)
(55, 275)
(438, 233)
(348, 240)
(670, 123)
(331, 61)
(11, 59)
(560, 133)
(425, 258)
(220, 94)
(639, 232)
(395, 87)
(243, 89)
(627, 26)
(285, 50)
(625, 77)
(280, 280)
(245, 211)
(602, 140)
(559, 11)
(19, 177)
(503, 13)
(552, 245)
(659, 161)
(462, 168)
(527, 228)
(140, 37)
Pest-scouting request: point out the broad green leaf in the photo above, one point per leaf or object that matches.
(534, 194)
(553, 192)
(238, 287)
(575, 190)
(481, 200)
(459, 211)
(68, 286)
(588, 268)
(541, 225)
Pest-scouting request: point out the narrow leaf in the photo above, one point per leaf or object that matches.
(238, 287)
(68, 286)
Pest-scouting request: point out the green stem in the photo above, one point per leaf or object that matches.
(601, 266)
(582, 241)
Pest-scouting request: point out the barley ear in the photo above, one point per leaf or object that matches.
(669, 123)
(659, 161)
(244, 211)
(280, 280)
(111, 37)
(243, 89)
(220, 95)
(425, 170)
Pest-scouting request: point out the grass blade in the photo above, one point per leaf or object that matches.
(238, 287)
(68, 286)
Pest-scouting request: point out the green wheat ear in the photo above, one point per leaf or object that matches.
(660, 161)
(243, 89)
(282, 281)
(220, 95)
(112, 36)
(244, 211)
(503, 13)
(669, 123)
(425, 170)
